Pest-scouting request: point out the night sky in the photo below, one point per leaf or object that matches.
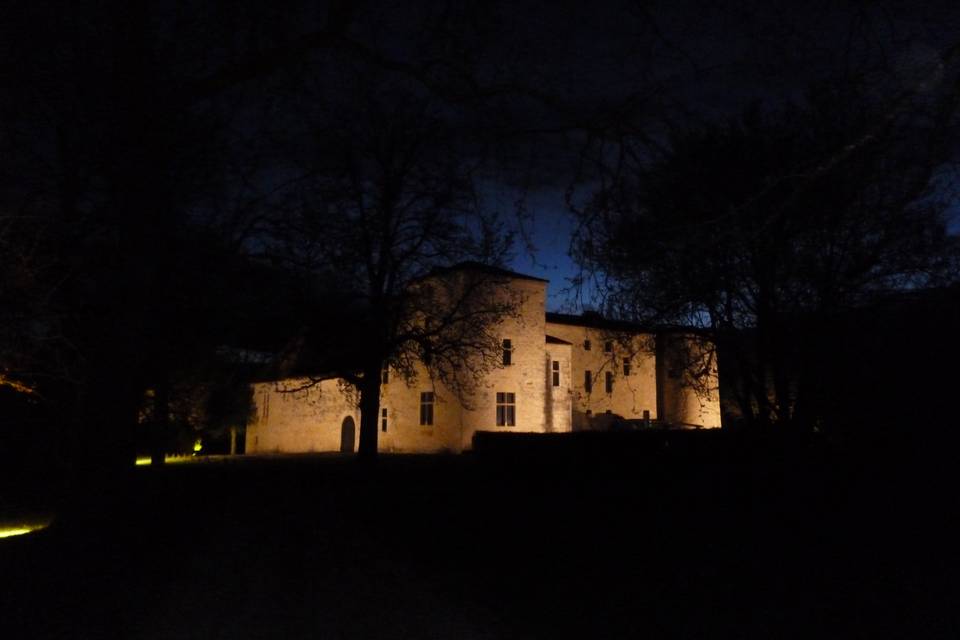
(563, 81)
(198, 195)
(703, 61)
(551, 227)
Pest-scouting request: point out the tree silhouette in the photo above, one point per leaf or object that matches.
(383, 197)
(108, 168)
(761, 229)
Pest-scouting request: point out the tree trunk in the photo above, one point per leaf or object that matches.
(369, 412)
(160, 428)
(101, 452)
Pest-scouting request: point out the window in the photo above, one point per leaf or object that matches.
(586, 345)
(556, 373)
(383, 420)
(587, 381)
(609, 381)
(385, 375)
(507, 352)
(506, 409)
(626, 366)
(426, 408)
(608, 347)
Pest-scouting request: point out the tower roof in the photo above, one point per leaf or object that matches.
(472, 265)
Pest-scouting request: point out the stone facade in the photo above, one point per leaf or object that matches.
(685, 401)
(621, 368)
(543, 389)
(293, 416)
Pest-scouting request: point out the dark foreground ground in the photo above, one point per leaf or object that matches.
(615, 545)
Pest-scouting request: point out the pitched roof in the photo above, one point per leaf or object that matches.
(594, 320)
(471, 265)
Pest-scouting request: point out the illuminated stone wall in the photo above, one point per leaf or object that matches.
(558, 400)
(681, 402)
(311, 419)
(404, 432)
(524, 377)
(455, 424)
(632, 393)
(287, 421)
(686, 401)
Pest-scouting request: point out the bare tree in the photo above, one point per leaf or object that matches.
(107, 169)
(384, 197)
(134, 167)
(762, 228)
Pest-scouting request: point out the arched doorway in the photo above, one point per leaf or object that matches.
(347, 433)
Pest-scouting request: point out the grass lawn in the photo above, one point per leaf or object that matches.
(487, 547)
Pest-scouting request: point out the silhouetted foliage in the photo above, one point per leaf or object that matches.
(146, 149)
(109, 165)
(381, 193)
(762, 228)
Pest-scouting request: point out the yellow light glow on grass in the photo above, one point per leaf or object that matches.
(19, 530)
(143, 461)
(16, 385)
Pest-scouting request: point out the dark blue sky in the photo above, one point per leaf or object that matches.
(550, 229)
(710, 58)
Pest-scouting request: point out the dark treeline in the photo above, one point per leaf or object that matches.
(183, 186)
(179, 178)
(807, 233)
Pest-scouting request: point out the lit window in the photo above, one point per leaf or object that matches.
(383, 420)
(587, 381)
(426, 408)
(608, 347)
(626, 366)
(586, 345)
(609, 381)
(506, 409)
(556, 373)
(507, 352)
